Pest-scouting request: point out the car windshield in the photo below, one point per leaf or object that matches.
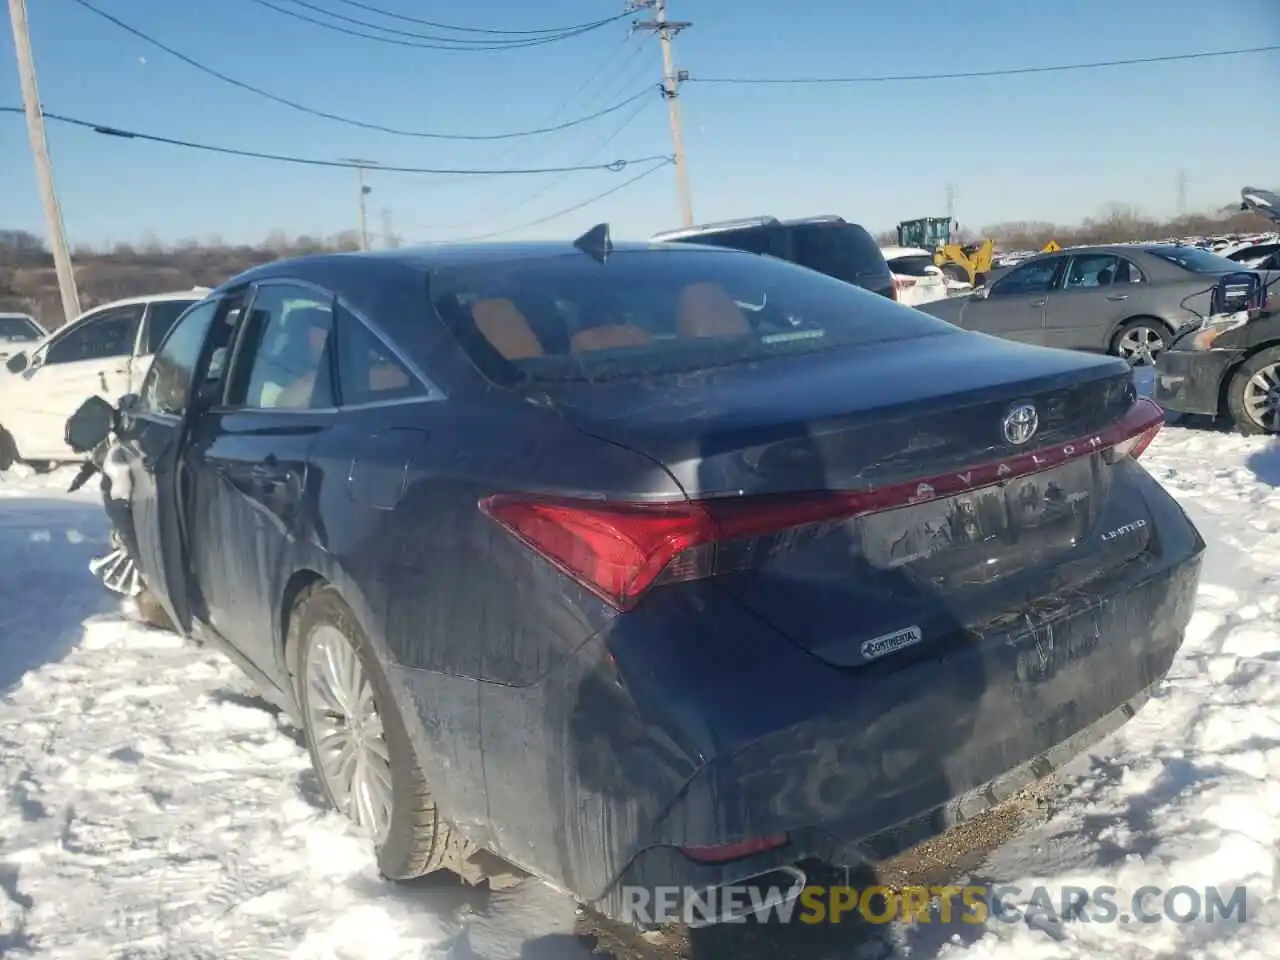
(1194, 259)
(14, 329)
(665, 309)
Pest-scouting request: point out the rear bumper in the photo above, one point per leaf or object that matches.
(907, 754)
(1190, 381)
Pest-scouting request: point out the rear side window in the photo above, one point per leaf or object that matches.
(368, 372)
(657, 311)
(844, 250)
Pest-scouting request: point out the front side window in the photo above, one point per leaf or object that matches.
(102, 336)
(1029, 278)
(168, 382)
(286, 349)
(662, 310)
(161, 316)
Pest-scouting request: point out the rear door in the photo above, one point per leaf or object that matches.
(1015, 306)
(153, 442)
(249, 459)
(1093, 297)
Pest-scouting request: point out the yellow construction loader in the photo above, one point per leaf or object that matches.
(968, 263)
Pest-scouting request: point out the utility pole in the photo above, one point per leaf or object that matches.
(44, 168)
(362, 191)
(951, 201)
(1181, 190)
(671, 80)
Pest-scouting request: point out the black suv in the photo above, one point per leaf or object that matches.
(827, 244)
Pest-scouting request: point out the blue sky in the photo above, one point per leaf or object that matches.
(1054, 147)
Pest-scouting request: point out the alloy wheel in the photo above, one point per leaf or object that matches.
(346, 731)
(1140, 346)
(1261, 400)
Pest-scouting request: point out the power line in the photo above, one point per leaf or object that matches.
(509, 152)
(444, 26)
(973, 74)
(550, 184)
(417, 40)
(351, 121)
(613, 167)
(559, 213)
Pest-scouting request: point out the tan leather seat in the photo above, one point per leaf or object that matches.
(506, 328)
(609, 338)
(706, 310)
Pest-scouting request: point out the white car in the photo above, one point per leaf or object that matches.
(18, 330)
(915, 278)
(105, 351)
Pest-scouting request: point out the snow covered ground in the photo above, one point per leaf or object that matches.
(151, 807)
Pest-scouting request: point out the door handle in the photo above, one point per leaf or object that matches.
(1118, 296)
(102, 379)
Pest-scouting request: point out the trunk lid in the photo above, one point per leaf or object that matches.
(991, 516)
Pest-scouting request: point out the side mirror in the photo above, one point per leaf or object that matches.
(982, 293)
(89, 425)
(17, 363)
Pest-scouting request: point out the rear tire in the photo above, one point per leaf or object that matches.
(956, 272)
(413, 838)
(1253, 395)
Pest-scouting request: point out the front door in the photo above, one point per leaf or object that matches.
(154, 439)
(1096, 294)
(249, 457)
(1014, 307)
(90, 358)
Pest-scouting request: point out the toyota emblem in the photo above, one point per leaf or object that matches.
(1021, 423)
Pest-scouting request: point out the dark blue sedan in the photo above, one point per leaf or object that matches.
(651, 565)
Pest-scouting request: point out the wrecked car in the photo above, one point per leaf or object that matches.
(566, 563)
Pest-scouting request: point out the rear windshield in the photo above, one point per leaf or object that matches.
(666, 309)
(842, 250)
(912, 266)
(18, 328)
(1195, 259)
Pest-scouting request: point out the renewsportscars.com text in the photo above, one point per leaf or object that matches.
(977, 904)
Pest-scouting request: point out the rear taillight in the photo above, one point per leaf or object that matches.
(621, 550)
(902, 283)
(727, 852)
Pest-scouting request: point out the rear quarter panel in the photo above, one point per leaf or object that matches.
(460, 610)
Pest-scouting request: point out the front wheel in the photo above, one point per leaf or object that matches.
(957, 273)
(1253, 396)
(1140, 342)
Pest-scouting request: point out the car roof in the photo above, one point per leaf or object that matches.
(427, 258)
(893, 252)
(195, 293)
